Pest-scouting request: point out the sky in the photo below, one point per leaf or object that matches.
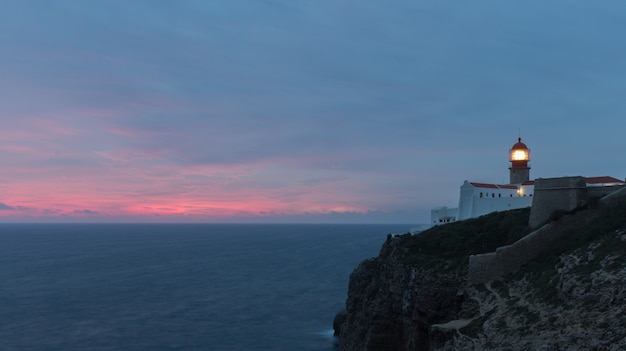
(306, 111)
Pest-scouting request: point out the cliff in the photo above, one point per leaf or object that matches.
(415, 294)
(390, 305)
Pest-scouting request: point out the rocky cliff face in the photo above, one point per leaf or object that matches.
(578, 303)
(571, 298)
(391, 306)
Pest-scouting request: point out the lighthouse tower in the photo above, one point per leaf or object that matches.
(519, 156)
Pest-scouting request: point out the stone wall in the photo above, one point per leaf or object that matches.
(614, 197)
(599, 191)
(510, 258)
(551, 194)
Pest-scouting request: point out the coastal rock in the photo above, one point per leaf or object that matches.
(572, 297)
(390, 306)
(338, 322)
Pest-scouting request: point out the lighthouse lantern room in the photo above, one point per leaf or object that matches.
(519, 156)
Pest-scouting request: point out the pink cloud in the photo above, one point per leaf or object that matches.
(88, 165)
(217, 192)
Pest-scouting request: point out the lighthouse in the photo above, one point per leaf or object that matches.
(479, 198)
(519, 156)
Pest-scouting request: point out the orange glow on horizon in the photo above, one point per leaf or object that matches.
(96, 205)
(129, 183)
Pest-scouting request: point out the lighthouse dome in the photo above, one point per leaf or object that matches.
(519, 145)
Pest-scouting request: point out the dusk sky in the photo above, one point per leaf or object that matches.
(298, 110)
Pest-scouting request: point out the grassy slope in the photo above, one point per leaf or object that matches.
(449, 246)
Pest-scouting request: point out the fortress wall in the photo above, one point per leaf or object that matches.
(510, 258)
(599, 191)
(617, 195)
(551, 194)
(507, 259)
(483, 268)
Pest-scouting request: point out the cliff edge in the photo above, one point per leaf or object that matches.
(415, 295)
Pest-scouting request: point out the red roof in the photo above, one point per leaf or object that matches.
(492, 186)
(529, 182)
(603, 179)
(519, 145)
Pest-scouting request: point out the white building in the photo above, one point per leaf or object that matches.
(477, 199)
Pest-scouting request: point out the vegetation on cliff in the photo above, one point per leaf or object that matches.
(447, 247)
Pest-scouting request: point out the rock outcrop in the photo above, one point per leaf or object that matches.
(391, 306)
(578, 304)
(415, 294)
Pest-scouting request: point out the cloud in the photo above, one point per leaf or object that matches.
(86, 212)
(4, 206)
(51, 211)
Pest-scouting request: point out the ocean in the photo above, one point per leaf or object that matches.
(177, 286)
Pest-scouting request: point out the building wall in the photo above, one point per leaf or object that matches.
(466, 202)
(483, 206)
(441, 215)
(477, 201)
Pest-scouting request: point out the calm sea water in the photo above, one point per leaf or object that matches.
(177, 286)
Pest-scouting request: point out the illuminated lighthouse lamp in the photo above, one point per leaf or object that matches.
(519, 155)
(519, 152)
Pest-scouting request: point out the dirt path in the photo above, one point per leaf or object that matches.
(455, 324)
(499, 301)
(458, 324)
